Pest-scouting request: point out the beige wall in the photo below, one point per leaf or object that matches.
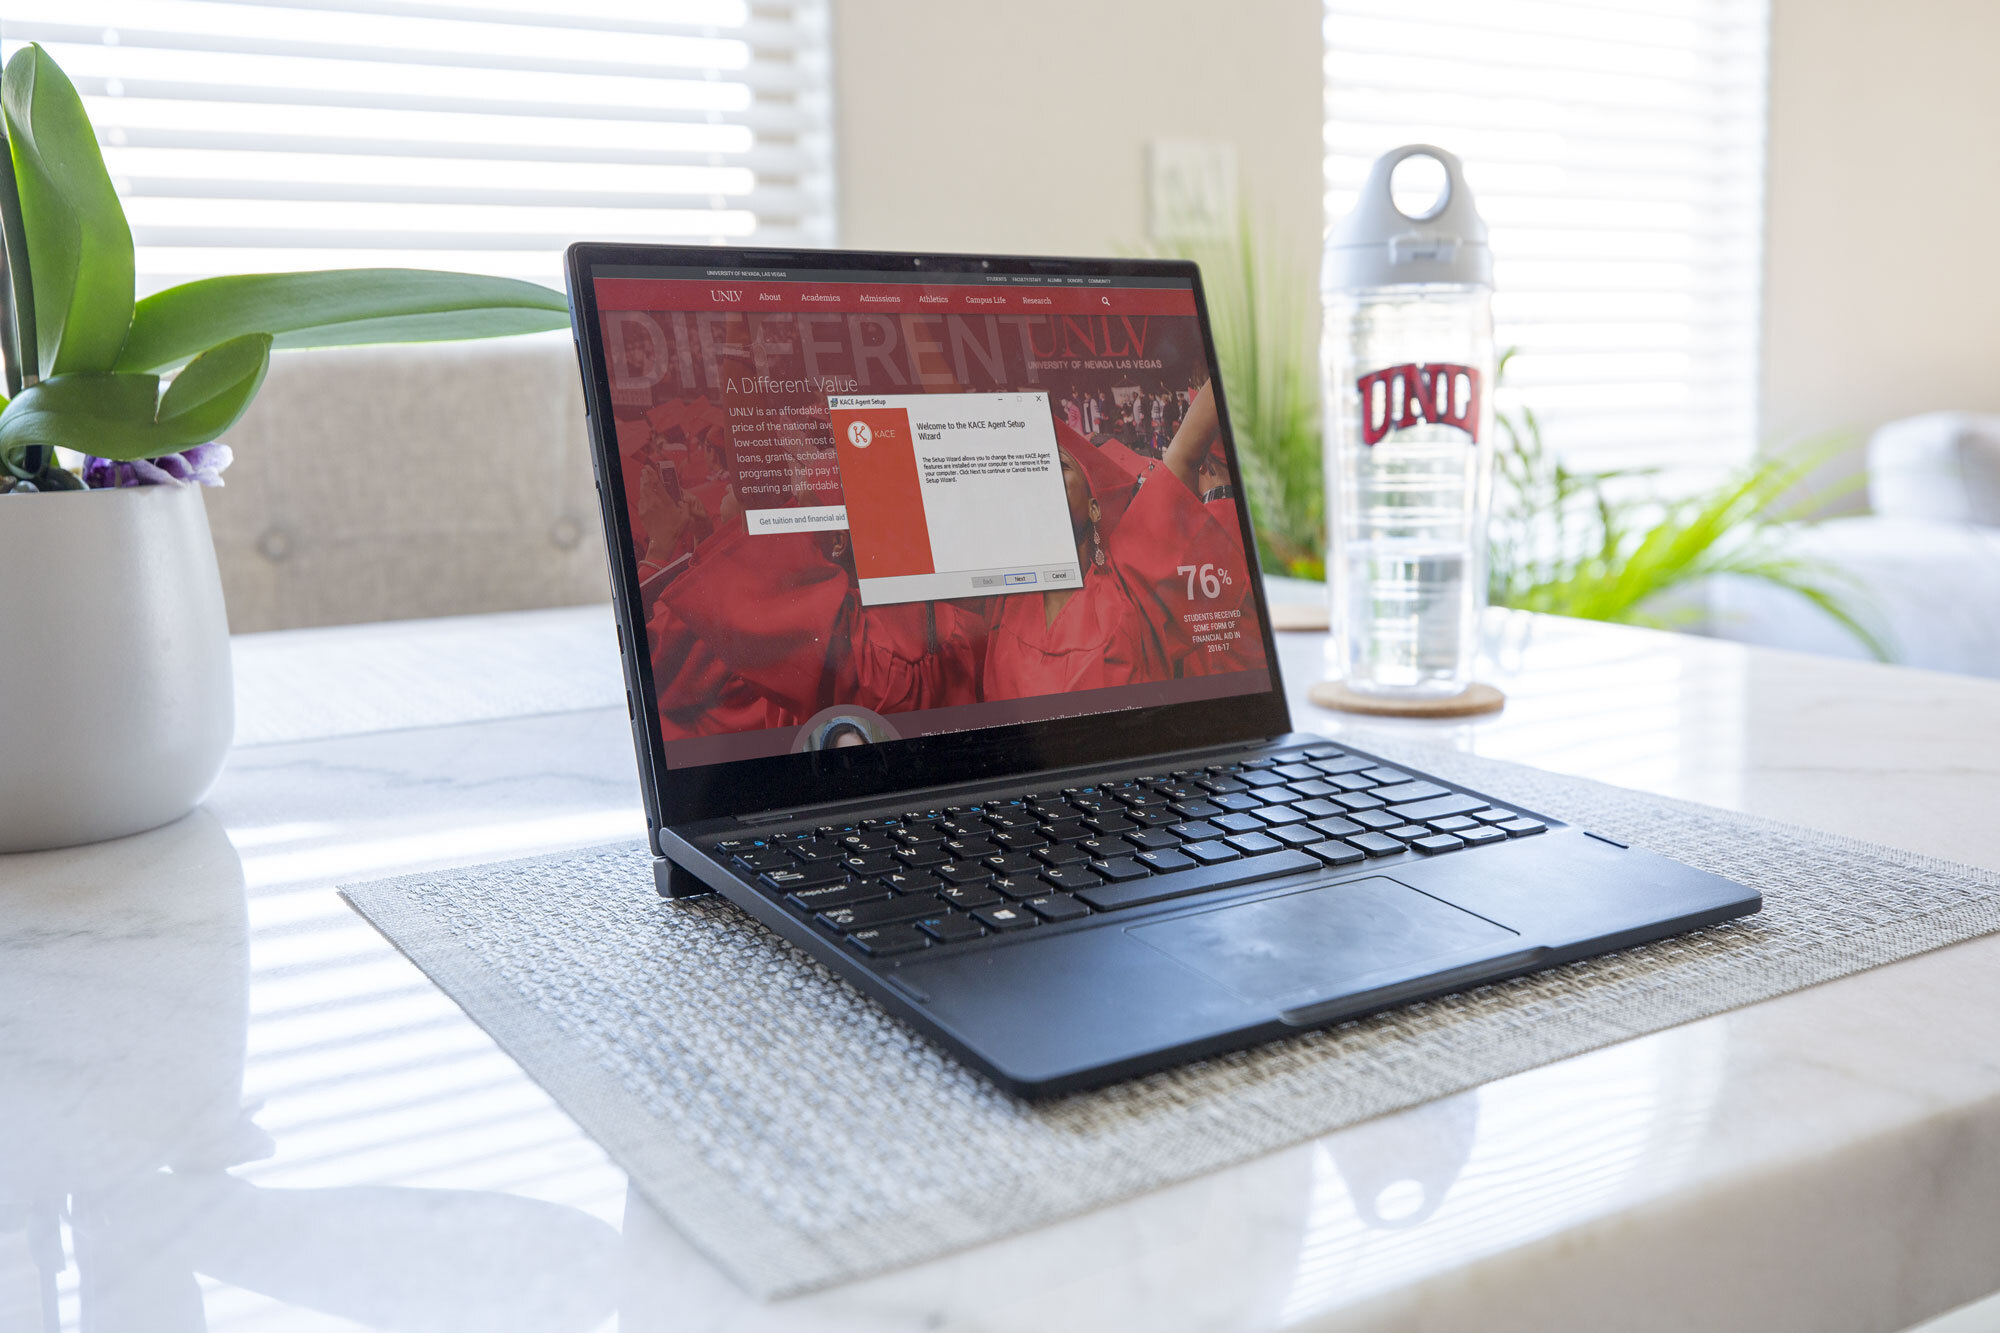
(1022, 126)
(1881, 291)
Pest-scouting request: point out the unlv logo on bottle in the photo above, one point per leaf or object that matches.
(1409, 395)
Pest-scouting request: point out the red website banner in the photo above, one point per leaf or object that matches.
(887, 298)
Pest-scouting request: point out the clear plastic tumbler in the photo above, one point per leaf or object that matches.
(1407, 373)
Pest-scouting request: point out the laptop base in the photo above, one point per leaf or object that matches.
(674, 882)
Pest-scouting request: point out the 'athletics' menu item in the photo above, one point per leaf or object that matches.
(869, 508)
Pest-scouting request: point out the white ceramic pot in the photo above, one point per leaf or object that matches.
(116, 702)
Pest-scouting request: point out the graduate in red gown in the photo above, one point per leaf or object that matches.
(1135, 618)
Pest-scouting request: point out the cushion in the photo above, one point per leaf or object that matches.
(1943, 467)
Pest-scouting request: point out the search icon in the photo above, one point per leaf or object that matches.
(1105, 299)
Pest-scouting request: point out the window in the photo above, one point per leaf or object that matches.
(1617, 154)
(255, 137)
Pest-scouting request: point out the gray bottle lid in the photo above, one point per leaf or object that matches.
(1379, 245)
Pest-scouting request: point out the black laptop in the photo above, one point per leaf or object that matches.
(948, 660)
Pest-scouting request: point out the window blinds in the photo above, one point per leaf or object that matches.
(264, 135)
(1616, 152)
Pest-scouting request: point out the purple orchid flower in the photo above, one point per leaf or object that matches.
(200, 466)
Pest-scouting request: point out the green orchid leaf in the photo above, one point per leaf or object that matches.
(123, 417)
(210, 394)
(335, 309)
(78, 245)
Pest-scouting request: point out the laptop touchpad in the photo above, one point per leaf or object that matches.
(1297, 944)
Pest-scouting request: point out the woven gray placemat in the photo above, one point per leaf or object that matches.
(799, 1136)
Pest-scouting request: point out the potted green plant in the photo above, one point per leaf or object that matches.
(113, 641)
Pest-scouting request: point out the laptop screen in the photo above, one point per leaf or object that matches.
(870, 506)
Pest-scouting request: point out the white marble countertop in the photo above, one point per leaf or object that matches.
(226, 1103)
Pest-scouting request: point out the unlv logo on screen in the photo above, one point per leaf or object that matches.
(1410, 395)
(733, 295)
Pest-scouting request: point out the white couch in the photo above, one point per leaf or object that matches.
(380, 483)
(1926, 561)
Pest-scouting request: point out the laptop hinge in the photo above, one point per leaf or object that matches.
(762, 817)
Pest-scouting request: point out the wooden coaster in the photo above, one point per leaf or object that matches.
(1475, 699)
(1299, 616)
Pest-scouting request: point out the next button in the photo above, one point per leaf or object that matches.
(1020, 578)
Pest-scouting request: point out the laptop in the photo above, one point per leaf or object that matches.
(949, 661)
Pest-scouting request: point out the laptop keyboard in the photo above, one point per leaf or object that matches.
(964, 873)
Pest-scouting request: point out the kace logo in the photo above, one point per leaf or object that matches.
(859, 435)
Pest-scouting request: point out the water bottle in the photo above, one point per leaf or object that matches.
(1407, 366)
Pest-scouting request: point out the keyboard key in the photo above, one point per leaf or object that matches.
(764, 858)
(1153, 839)
(1072, 877)
(1238, 823)
(1118, 869)
(861, 916)
(1298, 835)
(1070, 855)
(1345, 763)
(908, 881)
(1296, 772)
(731, 846)
(1014, 817)
(1019, 886)
(1452, 823)
(1439, 806)
(1375, 819)
(1057, 907)
(917, 858)
(1411, 791)
(1352, 782)
(1385, 775)
(1522, 827)
(1336, 853)
(1194, 830)
(842, 895)
(817, 851)
(1314, 788)
(969, 896)
(1254, 844)
(1258, 777)
(1276, 815)
(1319, 808)
(884, 941)
(1357, 801)
(964, 872)
(1376, 844)
(1005, 918)
(1202, 879)
(1438, 842)
(1237, 800)
(1208, 853)
(1164, 861)
(1336, 828)
(1195, 809)
(1480, 834)
(1407, 832)
(920, 835)
(968, 849)
(863, 843)
(1019, 840)
(952, 928)
(1110, 824)
(1492, 814)
(805, 877)
(1011, 863)
(1067, 831)
(871, 863)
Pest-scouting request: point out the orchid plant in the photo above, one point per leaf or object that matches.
(104, 390)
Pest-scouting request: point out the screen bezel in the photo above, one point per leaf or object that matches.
(750, 786)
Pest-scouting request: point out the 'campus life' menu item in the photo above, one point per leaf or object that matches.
(874, 506)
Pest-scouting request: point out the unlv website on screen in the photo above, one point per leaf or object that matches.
(876, 506)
